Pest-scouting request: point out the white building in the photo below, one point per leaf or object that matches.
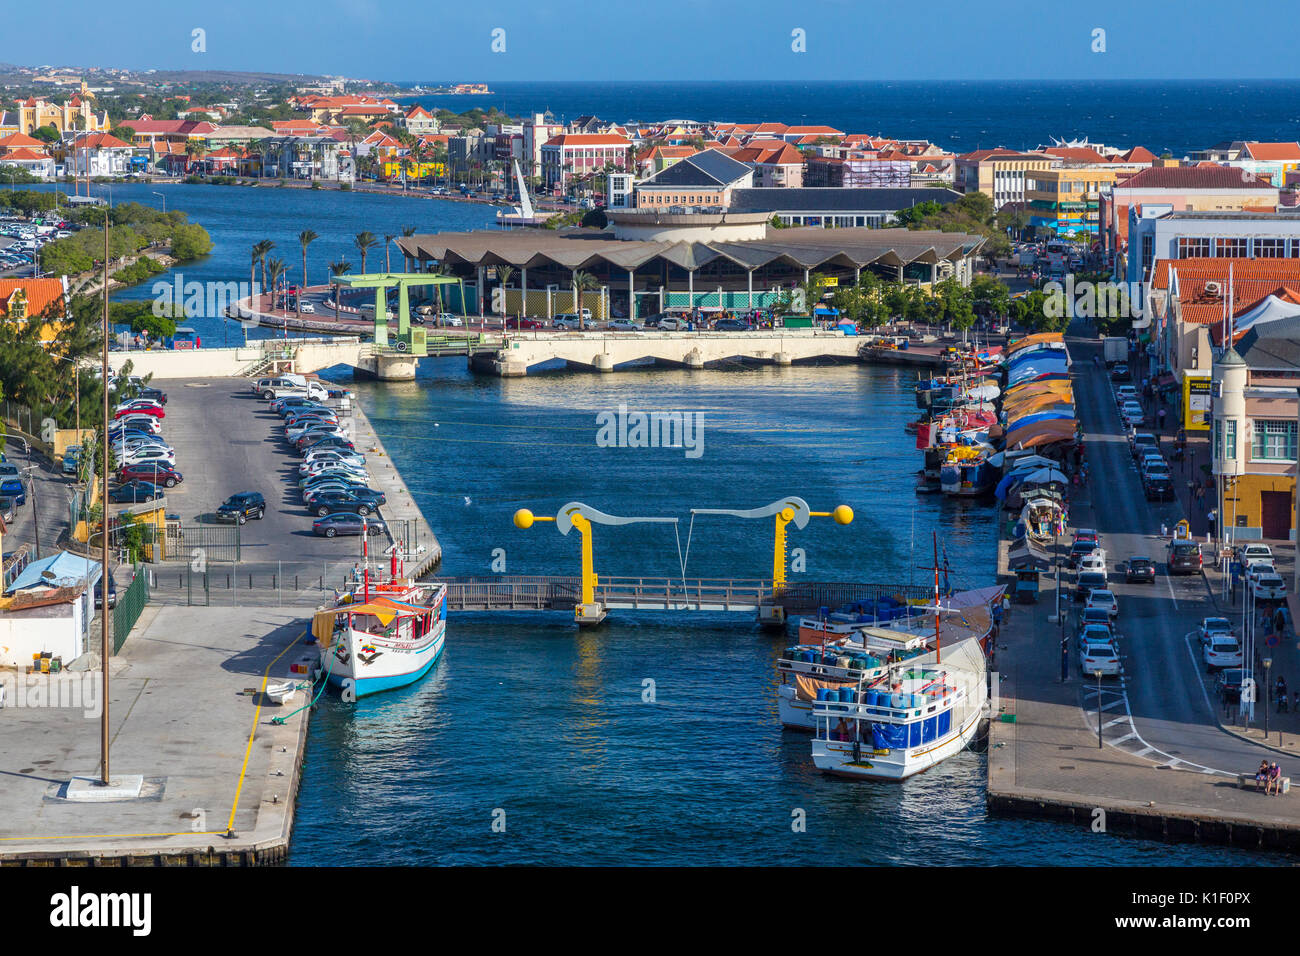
(1156, 231)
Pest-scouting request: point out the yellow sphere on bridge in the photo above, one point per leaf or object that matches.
(843, 514)
(523, 519)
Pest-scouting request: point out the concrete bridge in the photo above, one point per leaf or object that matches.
(526, 353)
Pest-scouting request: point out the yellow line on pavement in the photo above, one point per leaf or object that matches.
(252, 733)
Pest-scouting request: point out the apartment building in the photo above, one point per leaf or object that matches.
(998, 173)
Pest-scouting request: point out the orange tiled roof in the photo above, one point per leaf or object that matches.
(1274, 151)
(42, 294)
(1251, 281)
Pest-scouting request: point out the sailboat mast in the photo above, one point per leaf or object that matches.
(937, 658)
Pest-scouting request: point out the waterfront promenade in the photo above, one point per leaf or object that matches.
(1164, 765)
(187, 713)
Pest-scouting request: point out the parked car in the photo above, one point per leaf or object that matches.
(345, 502)
(157, 473)
(70, 456)
(112, 593)
(1102, 598)
(1227, 684)
(1098, 659)
(151, 393)
(672, 324)
(330, 485)
(133, 492)
(521, 322)
(1093, 561)
(569, 321)
(1133, 414)
(329, 441)
(1138, 569)
(623, 325)
(1268, 587)
(1158, 486)
(1222, 650)
(146, 453)
(1210, 626)
(1125, 393)
(1119, 373)
(242, 506)
(140, 406)
(1086, 583)
(8, 509)
(1248, 554)
(343, 523)
(732, 325)
(1080, 550)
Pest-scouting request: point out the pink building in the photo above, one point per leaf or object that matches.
(574, 155)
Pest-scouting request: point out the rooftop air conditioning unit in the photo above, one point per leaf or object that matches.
(1213, 289)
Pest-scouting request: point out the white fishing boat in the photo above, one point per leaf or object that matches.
(914, 716)
(388, 635)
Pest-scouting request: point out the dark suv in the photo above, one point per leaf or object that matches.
(241, 507)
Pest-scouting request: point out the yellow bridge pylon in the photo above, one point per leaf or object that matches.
(785, 510)
(575, 514)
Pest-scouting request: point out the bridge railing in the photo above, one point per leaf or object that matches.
(712, 591)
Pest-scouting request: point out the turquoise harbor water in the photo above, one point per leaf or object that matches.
(528, 717)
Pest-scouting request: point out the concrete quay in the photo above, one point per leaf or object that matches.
(1164, 763)
(188, 713)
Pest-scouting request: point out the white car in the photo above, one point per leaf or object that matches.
(306, 308)
(447, 320)
(1098, 659)
(323, 458)
(1096, 561)
(623, 325)
(1125, 393)
(1132, 413)
(1103, 599)
(1223, 650)
(1211, 626)
(1268, 587)
(147, 454)
(1249, 554)
(671, 324)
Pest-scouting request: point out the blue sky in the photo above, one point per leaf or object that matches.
(671, 39)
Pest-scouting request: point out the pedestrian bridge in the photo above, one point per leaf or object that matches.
(529, 352)
(499, 593)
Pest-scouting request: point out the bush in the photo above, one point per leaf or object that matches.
(345, 187)
(190, 241)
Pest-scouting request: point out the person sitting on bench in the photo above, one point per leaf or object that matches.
(1274, 780)
(1261, 775)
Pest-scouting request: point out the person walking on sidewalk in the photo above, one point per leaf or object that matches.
(1161, 416)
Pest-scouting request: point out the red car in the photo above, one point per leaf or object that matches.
(160, 474)
(514, 322)
(142, 407)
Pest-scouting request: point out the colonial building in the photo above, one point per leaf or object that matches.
(1001, 174)
(574, 155)
(704, 180)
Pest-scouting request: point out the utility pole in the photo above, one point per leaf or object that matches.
(103, 533)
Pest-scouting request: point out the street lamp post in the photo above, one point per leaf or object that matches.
(1267, 662)
(164, 199)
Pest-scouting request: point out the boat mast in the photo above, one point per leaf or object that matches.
(937, 658)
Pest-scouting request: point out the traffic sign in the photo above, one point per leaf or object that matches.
(1271, 640)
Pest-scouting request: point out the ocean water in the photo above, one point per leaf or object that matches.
(1173, 116)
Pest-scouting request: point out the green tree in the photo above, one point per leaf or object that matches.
(46, 134)
(364, 241)
(305, 239)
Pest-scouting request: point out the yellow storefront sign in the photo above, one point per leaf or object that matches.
(1196, 403)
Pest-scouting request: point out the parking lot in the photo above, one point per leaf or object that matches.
(227, 440)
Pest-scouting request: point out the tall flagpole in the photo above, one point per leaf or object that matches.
(103, 534)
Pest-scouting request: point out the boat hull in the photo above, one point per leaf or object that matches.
(836, 757)
(404, 667)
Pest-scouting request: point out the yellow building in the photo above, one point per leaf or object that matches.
(1066, 200)
(23, 299)
(74, 115)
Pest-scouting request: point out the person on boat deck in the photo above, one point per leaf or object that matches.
(842, 730)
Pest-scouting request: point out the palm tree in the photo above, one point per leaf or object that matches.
(504, 275)
(365, 241)
(337, 269)
(260, 252)
(305, 239)
(194, 150)
(388, 251)
(407, 232)
(582, 281)
(275, 269)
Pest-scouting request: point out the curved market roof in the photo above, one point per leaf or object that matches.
(805, 248)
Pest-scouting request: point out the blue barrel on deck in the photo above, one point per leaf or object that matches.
(918, 700)
(871, 697)
(823, 693)
(849, 695)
